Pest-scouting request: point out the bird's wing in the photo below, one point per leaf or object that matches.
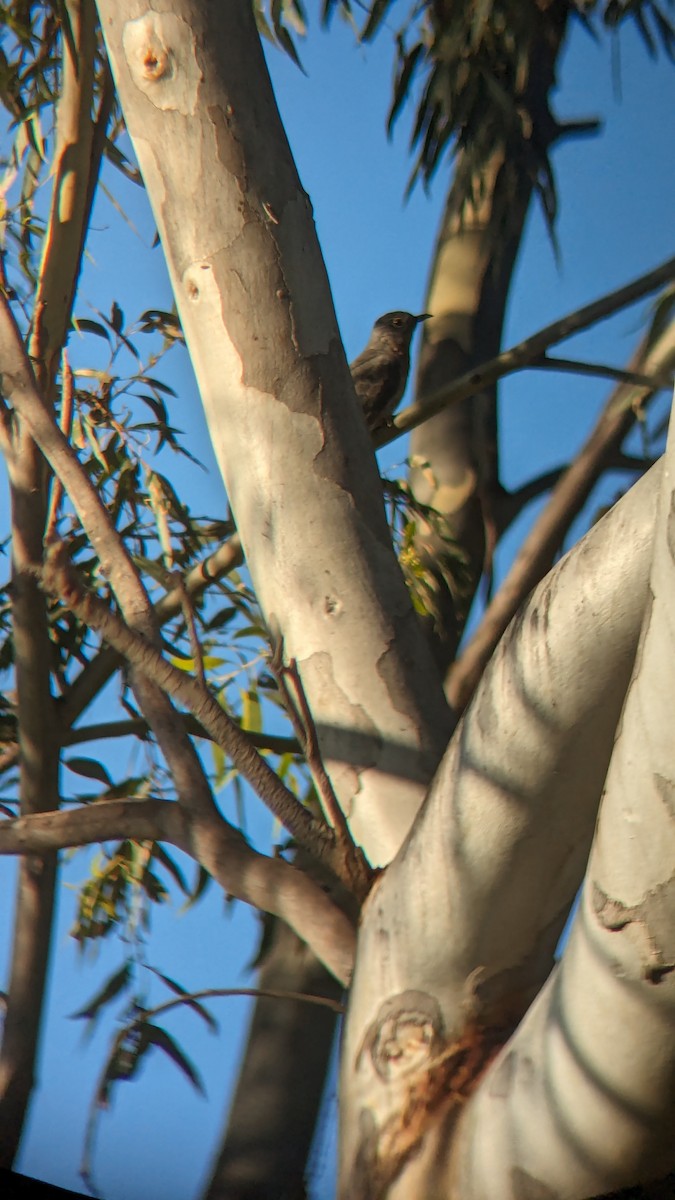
(377, 380)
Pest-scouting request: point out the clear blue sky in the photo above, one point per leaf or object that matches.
(616, 195)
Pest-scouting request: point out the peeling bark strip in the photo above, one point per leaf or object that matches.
(654, 936)
(255, 305)
(486, 880)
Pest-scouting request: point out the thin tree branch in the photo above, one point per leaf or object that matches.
(96, 674)
(137, 727)
(20, 388)
(270, 884)
(537, 552)
(187, 609)
(355, 869)
(630, 462)
(65, 424)
(38, 743)
(575, 366)
(149, 1014)
(527, 352)
(61, 581)
(511, 504)
(225, 559)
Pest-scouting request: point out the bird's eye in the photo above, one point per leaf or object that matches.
(397, 321)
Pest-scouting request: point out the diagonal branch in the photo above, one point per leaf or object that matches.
(189, 998)
(574, 366)
(539, 548)
(526, 353)
(96, 674)
(354, 868)
(73, 169)
(20, 388)
(61, 581)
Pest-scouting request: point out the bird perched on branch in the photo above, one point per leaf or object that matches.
(381, 370)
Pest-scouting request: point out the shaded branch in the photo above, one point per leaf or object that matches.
(61, 581)
(137, 727)
(270, 884)
(354, 869)
(527, 352)
(511, 504)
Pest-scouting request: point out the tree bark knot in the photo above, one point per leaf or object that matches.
(407, 1044)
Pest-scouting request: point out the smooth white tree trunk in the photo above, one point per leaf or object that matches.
(583, 1098)
(251, 288)
(459, 935)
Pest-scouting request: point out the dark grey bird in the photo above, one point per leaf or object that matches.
(381, 370)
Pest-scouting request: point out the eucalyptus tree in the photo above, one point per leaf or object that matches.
(436, 859)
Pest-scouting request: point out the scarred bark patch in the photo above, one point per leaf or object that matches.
(160, 53)
(425, 1075)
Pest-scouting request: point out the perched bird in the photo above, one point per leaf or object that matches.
(381, 370)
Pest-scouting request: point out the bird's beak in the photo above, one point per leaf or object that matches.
(422, 317)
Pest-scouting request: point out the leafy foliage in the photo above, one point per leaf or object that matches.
(275, 20)
(122, 427)
(479, 74)
(410, 522)
(470, 66)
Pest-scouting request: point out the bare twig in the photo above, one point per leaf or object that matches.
(527, 352)
(190, 624)
(355, 869)
(137, 727)
(65, 424)
(149, 1014)
(575, 366)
